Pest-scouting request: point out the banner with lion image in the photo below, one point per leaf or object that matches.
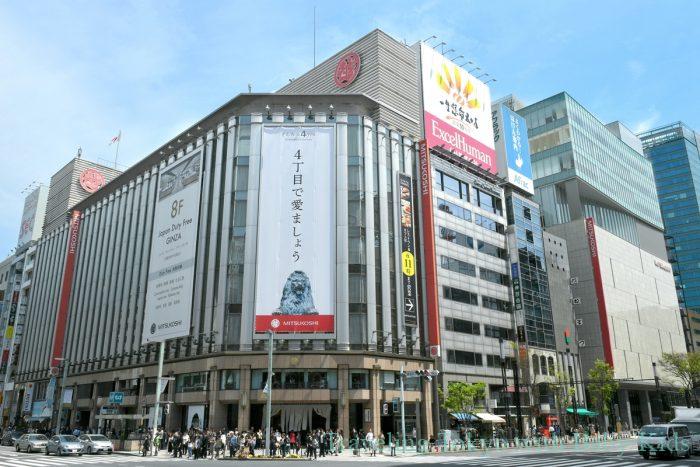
(295, 277)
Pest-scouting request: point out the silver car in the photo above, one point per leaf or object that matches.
(64, 445)
(31, 442)
(671, 439)
(95, 444)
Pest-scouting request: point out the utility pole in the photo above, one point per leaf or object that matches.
(60, 395)
(268, 386)
(502, 348)
(569, 359)
(403, 418)
(156, 408)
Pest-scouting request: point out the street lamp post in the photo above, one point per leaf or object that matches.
(156, 408)
(60, 394)
(403, 418)
(502, 348)
(569, 359)
(268, 387)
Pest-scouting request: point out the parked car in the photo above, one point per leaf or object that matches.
(670, 439)
(64, 445)
(693, 425)
(10, 438)
(29, 442)
(95, 444)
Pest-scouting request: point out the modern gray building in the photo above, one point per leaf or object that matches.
(598, 194)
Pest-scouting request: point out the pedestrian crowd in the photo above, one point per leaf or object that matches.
(212, 444)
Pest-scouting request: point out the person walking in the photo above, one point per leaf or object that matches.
(369, 443)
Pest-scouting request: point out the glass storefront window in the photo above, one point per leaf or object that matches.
(359, 379)
(230, 379)
(191, 382)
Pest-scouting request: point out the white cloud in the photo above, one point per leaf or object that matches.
(653, 118)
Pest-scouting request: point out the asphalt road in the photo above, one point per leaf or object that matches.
(611, 454)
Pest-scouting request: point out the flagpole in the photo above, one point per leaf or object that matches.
(116, 154)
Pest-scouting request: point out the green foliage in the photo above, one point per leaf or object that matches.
(462, 397)
(683, 369)
(602, 385)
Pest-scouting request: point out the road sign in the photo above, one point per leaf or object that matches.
(116, 397)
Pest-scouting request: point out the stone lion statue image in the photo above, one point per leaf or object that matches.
(296, 296)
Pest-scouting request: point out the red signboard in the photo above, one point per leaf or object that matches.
(347, 69)
(91, 180)
(297, 324)
(431, 293)
(599, 292)
(59, 335)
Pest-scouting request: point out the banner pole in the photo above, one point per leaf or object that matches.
(161, 355)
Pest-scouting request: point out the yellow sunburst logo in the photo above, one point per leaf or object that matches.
(453, 83)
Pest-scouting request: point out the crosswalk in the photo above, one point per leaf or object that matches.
(573, 460)
(14, 459)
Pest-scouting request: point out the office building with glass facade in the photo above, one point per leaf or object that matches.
(675, 156)
(598, 194)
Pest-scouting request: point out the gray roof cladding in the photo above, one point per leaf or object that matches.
(242, 104)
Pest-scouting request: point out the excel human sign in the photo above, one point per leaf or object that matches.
(457, 110)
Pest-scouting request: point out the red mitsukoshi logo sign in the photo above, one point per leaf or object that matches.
(347, 69)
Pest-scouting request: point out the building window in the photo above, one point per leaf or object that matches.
(495, 304)
(526, 213)
(550, 365)
(543, 365)
(498, 332)
(490, 249)
(455, 210)
(494, 361)
(462, 357)
(529, 237)
(456, 237)
(493, 276)
(191, 382)
(535, 365)
(451, 185)
(459, 295)
(359, 379)
(487, 201)
(230, 379)
(458, 266)
(489, 224)
(463, 326)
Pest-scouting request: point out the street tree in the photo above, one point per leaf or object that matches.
(683, 370)
(602, 385)
(462, 397)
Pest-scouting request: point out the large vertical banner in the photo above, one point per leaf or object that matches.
(408, 251)
(295, 279)
(59, 335)
(457, 110)
(173, 250)
(599, 292)
(512, 148)
(431, 292)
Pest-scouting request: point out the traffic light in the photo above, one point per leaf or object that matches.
(567, 336)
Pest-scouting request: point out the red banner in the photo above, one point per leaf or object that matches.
(59, 335)
(431, 293)
(599, 292)
(295, 323)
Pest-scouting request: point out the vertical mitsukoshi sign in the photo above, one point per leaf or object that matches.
(295, 277)
(173, 250)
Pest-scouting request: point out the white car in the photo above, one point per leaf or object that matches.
(95, 444)
(693, 425)
(672, 439)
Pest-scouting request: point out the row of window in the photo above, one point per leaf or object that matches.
(290, 379)
(468, 242)
(464, 357)
(468, 269)
(470, 298)
(475, 196)
(466, 214)
(472, 327)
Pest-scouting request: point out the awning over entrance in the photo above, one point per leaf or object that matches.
(121, 417)
(464, 417)
(489, 417)
(582, 411)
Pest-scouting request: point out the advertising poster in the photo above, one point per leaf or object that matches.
(295, 280)
(408, 251)
(457, 110)
(173, 249)
(512, 148)
(28, 394)
(195, 417)
(33, 203)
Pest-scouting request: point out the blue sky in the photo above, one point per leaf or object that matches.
(75, 73)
